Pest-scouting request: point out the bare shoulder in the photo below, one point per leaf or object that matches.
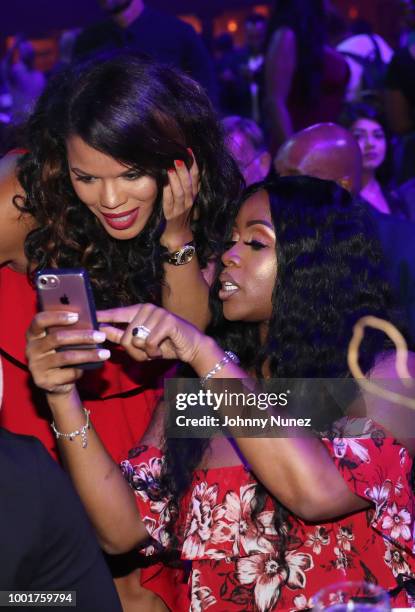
(14, 225)
(9, 183)
(392, 401)
(385, 366)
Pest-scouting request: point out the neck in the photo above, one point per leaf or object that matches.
(130, 14)
(372, 192)
(19, 264)
(368, 177)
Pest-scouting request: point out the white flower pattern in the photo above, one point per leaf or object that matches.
(235, 564)
(398, 522)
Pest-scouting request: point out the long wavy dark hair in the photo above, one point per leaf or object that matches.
(145, 116)
(306, 18)
(364, 110)
(330, 274)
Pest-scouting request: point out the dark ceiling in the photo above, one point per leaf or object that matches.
(34, 17)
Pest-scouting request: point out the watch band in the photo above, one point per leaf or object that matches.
(180, 257)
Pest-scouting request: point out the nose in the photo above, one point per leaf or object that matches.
(112, 196)
(231, 257)
(369, 142)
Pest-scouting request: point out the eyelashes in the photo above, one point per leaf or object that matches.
(84, 179)
(256, 245)
(131, 176)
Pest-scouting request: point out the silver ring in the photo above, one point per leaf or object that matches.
(141, 332)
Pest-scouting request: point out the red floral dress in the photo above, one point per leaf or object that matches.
(234, 565)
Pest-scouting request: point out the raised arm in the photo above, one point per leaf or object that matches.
(185, 291)
(280, 66)
(105, 494)
(299, 471)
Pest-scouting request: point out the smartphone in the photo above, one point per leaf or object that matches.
(70, 290)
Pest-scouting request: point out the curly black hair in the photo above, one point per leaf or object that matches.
(330, 273)
(145, 116)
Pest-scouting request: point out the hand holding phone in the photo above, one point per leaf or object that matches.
(69, 290)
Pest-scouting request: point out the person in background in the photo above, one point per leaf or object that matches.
(330, 152)
(137, 28)
(266, 522)
(400, 98)
(305, 79)
(368, 125)
(47, 542)
(241, 72)
(325, 150)
(245, 142)
(367, 55)
(25, 82)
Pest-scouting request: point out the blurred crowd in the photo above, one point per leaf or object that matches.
(303, 65)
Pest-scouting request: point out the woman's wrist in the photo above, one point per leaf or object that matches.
(175, 241)
(64, 403)
(207, 355)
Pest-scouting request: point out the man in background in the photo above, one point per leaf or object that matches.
(137, 28)
(245, 142)
(241, 72)
(47, 542)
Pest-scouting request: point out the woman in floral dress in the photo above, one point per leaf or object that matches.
(265, 522)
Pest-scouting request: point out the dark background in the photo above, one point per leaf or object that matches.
(36, 17)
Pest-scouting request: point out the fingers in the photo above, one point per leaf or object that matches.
(156, 342)
(52, 354)
(53, 370)
(43, 320)
(183, 187)
(113, 334)
(141, 329)
(120, 315)
(136, 317)
(58, 339)
(194, 173)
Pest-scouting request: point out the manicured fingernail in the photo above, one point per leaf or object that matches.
(179, 162)
(99, 336)
(171, 170)
(104, 354)
(72, 317)
(190, 151)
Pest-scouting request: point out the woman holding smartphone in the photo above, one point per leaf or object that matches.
(125, 175)
(264, 521)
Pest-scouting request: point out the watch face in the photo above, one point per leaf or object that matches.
(185, 255)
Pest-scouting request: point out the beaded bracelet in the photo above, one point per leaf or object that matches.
(78, 432)
(229, 356)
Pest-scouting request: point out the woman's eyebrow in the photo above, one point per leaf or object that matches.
(79, 171)
(259, 222)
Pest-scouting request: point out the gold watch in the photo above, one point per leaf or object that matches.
(183, 256)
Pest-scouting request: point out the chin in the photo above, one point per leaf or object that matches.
(232, 314)
(372, 165)
(125, 234)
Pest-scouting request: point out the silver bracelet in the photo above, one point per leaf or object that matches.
(78, 432)
(228, 358)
